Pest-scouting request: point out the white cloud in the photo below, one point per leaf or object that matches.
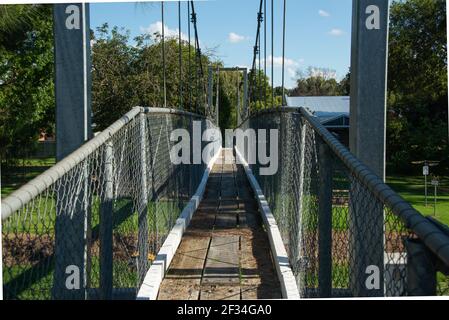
(277, 62)
(235, 38)
(157, 28)
(291, 65)
(336, 32)
(323, 13)
(291, 72)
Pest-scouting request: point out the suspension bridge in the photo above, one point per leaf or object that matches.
(117, 218)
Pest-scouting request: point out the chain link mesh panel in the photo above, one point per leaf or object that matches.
(336, 230)
(93, 231)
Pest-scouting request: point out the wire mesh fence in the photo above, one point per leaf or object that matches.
(90, 227)
(346, 233)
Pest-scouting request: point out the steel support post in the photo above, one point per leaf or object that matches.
(325, 221)
(142, 203)
(73, 128)
(106, 218)
(367, 138)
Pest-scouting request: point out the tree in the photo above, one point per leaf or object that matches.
(417, 84)
(26, 78)
(126, 75)
(345, 85)
(316, 82)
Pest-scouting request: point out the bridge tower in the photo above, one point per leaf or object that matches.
(367, 133)
(73, 128)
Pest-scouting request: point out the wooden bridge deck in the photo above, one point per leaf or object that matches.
(225, 252)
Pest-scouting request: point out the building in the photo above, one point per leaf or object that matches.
(331, 111)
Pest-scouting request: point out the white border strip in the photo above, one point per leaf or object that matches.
(153, 279)
(286, 278)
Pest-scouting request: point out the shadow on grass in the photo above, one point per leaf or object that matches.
(20, 284)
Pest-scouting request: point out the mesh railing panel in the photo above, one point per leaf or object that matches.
(99, 219)
(359, 230)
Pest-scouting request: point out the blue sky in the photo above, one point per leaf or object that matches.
(318, 31)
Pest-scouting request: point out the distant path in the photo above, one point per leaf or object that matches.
(225, 253)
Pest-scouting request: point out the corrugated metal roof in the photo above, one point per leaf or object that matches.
(325, 108)
(322, 106)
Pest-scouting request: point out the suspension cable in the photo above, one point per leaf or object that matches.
(272, 54)
(217, 106)
(265, 50)
(253, 78)
(199, 63)
(190, 58)
(283, 54)
(180, 56)
(259, 76)
(163, 55)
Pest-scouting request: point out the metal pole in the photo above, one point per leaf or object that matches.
(210, 88)
(272, 54)
(106, 216)
(283, 53)
(421, 272)
(180, 58)
(190, 57)
(325, 221)
(217, 107)
(163, 56)
(367, 134)
(238, 96)
(425, 189)
(142, 204)
(73, 128)
(435, 201)
(245, 92)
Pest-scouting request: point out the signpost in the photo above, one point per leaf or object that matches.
(425, 172)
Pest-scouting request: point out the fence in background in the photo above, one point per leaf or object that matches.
(346, 232)
(90, 226)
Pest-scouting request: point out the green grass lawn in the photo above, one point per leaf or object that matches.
(26, 169)
(411, 188)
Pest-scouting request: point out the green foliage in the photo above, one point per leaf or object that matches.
(417, 82)
(322, 84)
(126, 75)
(261, 95)
(26, 78)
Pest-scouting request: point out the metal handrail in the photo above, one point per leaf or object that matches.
(433, 237)
(34, 187)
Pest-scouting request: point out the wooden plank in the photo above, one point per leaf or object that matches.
(225, 220)
(252, 220)
(172, 289)
(214, 292)
(183, 279)
(222, 262)
(228, 205)
(258, 279)
(260, 291)
(241, 221)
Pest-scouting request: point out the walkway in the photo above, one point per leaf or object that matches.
(225, 252)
